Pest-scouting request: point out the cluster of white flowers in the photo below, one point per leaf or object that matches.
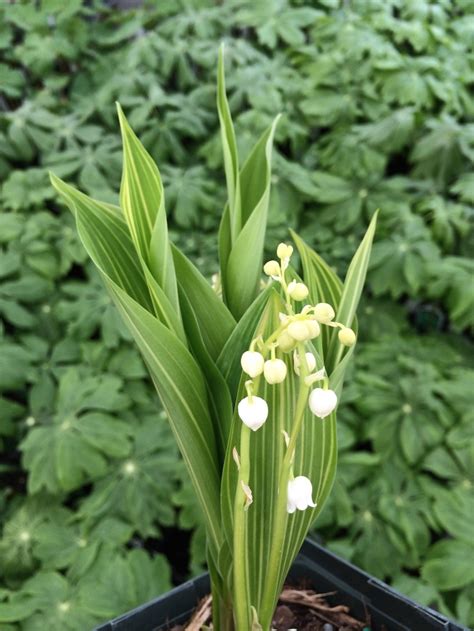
(295, 330)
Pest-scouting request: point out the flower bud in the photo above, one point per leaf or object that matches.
(298, 291)
(285, 342)
(252, 363)
(313, 329)
(272, 268)
(324, 313)
(347, 337)
(300, 491)
(298, 330)
(253, 412)
(275, 370)
(310, 362)
(322, 402)
(284, 251)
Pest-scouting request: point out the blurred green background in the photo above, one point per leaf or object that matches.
(96, 512)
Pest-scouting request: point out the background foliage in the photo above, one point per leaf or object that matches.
(377, 114)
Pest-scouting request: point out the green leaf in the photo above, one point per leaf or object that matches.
(138, 489)
(112, 249)
(105, 236)
(75, 447)
(174, 371)
(241, 260)
(181, 387)
(220, 403)
(214, 320)
(229, 148)
(454, 510)
(449, 565)
(352, 290)
(142, 200)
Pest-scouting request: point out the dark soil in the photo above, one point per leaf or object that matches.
(298, 608)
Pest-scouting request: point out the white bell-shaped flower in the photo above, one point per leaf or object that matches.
(310, 362)
(322, 402)
(252, 363)
(300, 491)
(274, 370)
(253, 412)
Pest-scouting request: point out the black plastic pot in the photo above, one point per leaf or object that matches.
(366, 596)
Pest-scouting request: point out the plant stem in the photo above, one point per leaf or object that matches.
(270, 593)
(241, 587)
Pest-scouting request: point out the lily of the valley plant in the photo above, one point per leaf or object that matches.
(251, 379)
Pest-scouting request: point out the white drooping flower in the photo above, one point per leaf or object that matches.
(298, 291)
(347, 337)
(252, 363)
(300, 491)
(310, 362)
(324, 313)
(253, 412)
(322, 402)
(274, 370)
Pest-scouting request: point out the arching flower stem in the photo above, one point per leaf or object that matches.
(241, 595)
(280, 516)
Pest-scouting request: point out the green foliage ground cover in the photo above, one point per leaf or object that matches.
(377, 114)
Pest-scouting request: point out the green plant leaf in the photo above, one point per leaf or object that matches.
(231, 158)
(115, 253)
(175, 373)
(214, 320)
(241, 261)
(449, 565)
(352, 290)
(143, 203)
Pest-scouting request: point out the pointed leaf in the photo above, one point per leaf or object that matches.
(143, 203)
(215, 321)
(242, 270)
(353, 285)
(229, 148)
(174, 371)
(111, 248)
